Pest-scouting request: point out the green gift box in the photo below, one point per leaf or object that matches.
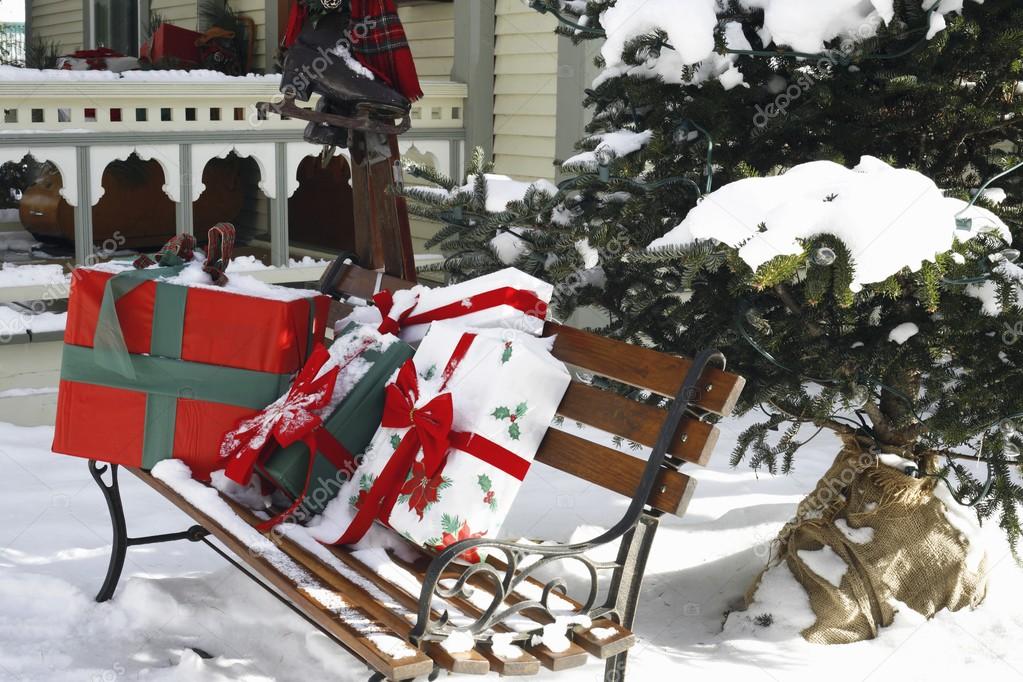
(353, 423)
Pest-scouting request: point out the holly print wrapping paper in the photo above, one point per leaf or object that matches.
(475, 406)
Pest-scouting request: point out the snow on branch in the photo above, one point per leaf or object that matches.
(691, 27)
(889, 218)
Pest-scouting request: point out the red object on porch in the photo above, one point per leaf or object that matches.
(173, 43)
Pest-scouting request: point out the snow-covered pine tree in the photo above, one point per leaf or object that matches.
(693, 100)
(491, 222)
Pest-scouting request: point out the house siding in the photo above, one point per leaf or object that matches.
(256, 10)
(525, 91)
(183, 13)
(431, 31)
(58, 21)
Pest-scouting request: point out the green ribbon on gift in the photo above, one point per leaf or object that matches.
(111, 352)
(162, 374)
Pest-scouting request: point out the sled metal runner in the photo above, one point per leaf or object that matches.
(504, 595)
(370, 118)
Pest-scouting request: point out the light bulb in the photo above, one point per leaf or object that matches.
(859, 396)
(604, 156)
(824, 256)
(683, 133)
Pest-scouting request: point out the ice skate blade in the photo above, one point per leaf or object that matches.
(368, 117)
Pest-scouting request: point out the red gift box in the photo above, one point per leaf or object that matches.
(231, 356)
(173, 43)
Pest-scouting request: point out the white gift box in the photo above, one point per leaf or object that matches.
(523, 305)
(505, 392)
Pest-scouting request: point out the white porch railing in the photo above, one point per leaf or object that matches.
(165, 101)
(82, 123)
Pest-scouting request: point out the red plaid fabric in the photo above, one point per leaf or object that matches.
(379, 43)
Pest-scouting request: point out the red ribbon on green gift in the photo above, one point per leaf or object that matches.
(520, 299)
(430, 431)
(290, 419)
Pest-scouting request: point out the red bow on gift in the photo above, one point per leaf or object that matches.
(430, 425)
(290, 419)
(429, 430)
(522, 300)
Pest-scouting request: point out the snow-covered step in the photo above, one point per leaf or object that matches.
(29, 374)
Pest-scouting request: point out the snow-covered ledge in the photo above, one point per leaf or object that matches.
(172, 101)
(51, 282)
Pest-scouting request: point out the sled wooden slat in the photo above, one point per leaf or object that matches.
(524, 665)
(694, 442)
(621, 641)
(471, 663)
(583, 643)
(618, 643)
(381, 226)
(614, 470)
(468, 663)
(556, 661)
(640, 367)
(356, 640)
(360, 283)
(527, 664)
(643, 367)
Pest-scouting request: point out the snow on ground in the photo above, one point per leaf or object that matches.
(55, 539)
(15, 275)
(12, 11)
(15, 320)
(12, 275)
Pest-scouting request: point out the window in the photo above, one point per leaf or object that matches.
(115, 24)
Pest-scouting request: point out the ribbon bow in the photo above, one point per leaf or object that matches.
(180, 250)
(292, 418)
(109, 347)
(385, 303)
(429, 430)
(430, 424)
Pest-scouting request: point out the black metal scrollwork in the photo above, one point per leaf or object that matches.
(521, 562)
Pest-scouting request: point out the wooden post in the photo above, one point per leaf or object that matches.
(383, 239)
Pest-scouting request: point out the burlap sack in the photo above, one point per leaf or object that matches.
(915, 556)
